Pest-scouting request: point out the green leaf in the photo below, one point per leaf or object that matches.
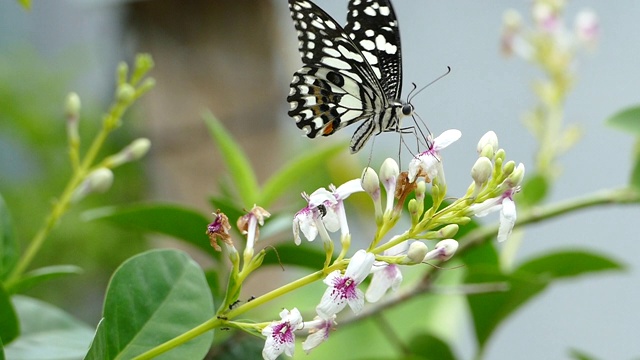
(1, 350)
(48, 333)
(531, 278)
(635, 172)
(431, 347)
(26, 4)
(8, 244)
(9, 327)
(565, 264)
(627, 120)
(37, 276)
(307, 256)
(535, 189)
(152, 298)
(580, 355)
(489, 309)
(296, 169)
(179, 222)
(236, 162)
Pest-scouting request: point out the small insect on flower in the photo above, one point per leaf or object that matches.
(349, 74)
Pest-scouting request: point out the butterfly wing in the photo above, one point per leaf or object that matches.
(336, 86)
(373, 27)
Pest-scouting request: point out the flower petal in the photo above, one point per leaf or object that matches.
(507, 219)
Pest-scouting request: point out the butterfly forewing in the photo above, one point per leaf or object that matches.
(373, 26)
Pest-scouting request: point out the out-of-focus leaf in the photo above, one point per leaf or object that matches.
(566, 264)
(176, 221)
(291, 254)
(235, 160)
(483, 255)
(627, 120)
(299, 167)
(430, 347)
(528, 280)
(164, 288)
(26, 4)
(48, 333)
(8, 245)
(489, 309)
(9, 327)
(535, 189)
(580, 355)
(37, 276)
(1, 350)
(635, 172)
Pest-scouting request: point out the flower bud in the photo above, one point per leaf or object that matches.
(517, 175)
(488, 139)
(481, 171)
(125, 93)
(134, 151)
(511, 19)
(371, 184)
(508, 167)
(417, 251)
(389, 172)
(444, 250)
(72, 106)
(99, 181)
(448, 231)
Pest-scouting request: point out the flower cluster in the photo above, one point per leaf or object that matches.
(495, 181)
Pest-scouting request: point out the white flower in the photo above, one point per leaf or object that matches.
(280, 336)
(428, 163)
(343, 289)
(385, 275)
(324, 211)
(507, 208)
(587, 26)
(319, 329)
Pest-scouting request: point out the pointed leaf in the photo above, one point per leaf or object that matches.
(37, 276)
(152, 298)
(235, 160)
(565, 264)
(8, 244)
(627, 120)
(176, 221)
(535, 189)
(580, 355)
(1, 350)
(48, 333)
(296, 169)
(9, 327)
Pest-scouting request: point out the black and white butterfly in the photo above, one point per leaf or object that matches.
(349, 74)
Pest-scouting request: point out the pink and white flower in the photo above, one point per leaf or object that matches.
(428, 163)
(343, 288)
(280, 334)
(319, 330)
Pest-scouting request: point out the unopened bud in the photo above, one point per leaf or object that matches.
(417, 251)
(508, 167)
(98, 181)
(371, 184)
(134, 151)
(488, 139)
(481, 171)
(587, 27)
(72, 106)
(125, 93)
(517, 175)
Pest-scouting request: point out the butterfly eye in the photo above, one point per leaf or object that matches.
(407, 109)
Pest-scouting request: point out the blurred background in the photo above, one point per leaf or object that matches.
(236, 58)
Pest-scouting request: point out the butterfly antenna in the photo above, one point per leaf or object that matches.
(413, 93)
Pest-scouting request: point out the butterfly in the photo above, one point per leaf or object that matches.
(351, 74)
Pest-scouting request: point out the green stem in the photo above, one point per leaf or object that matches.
(61, 206)
(216, 322)
(538, 213)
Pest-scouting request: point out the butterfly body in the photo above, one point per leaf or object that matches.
(351, 74)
